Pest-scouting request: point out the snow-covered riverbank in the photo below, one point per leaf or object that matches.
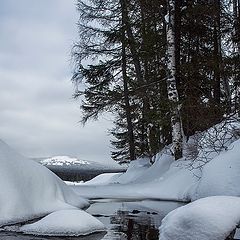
(167, 179)
(170, 180)
(34, 191)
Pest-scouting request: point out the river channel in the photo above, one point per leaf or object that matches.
(124, 220)
(138, 220)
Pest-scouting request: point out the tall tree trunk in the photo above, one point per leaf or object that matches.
(224, 78)
(177, 138)
(131, 40)
(236, 15)
(138, 69)
(217, 51)
(126, 95)
(149, 124)
(177, 31)
(238, 26)
(127, 107)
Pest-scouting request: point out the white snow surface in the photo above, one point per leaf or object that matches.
(165, 179)
(103, 179)
(134, 173)
(135, 169)
(65, 223)
(30, 190)
(63, 160)
(211, 218)
(221, 176)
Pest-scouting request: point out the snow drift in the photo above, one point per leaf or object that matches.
(65, 223)
(211, 218)
(221, 176)
(30, 190)
(166, 179)
(180, 180)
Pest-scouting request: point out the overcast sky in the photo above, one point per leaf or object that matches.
(38, 116)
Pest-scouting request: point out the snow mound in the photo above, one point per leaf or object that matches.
(136, 169)
(160, 166)
(65, 223)
(63, 160)
(165, 179)
(187, 179)
(30, 190)
(221, 176)
(212, 218)
(103, 179)
(176, 183)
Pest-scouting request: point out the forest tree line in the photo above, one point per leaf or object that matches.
(164, 68)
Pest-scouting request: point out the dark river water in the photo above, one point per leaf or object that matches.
(138, 220)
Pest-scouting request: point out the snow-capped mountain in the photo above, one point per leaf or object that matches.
(68, 162)
(63, 161)
(75, 169)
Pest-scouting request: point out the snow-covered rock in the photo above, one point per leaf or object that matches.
(30, 190)
(65, 223)
(221, 176)
(211, 218)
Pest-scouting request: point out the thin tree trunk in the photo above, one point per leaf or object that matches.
(236, 15)
(217, 49)
(238, 27)
(126, 96)
(138, 69)
(225, 80)
(177, 30)
(236, 12)
(177, 138)
(147, 97)
(131, 41)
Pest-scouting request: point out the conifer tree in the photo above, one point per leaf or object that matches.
(156, 98)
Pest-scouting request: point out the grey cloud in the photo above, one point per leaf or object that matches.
(37, 114)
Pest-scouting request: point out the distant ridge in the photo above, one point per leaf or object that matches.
(70, 162)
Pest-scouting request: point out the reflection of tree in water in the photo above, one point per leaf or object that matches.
(134, 226)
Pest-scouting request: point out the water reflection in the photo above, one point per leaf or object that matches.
(138, 220)
(135, 227)
(136, 230)
(132, 220)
